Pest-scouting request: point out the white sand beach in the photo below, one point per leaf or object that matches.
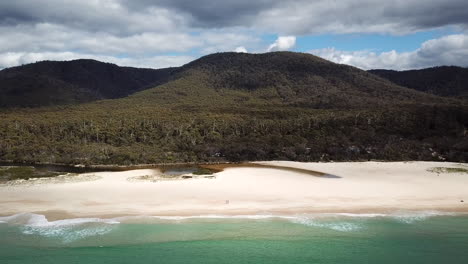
(364, 187)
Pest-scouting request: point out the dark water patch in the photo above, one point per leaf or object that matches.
(51, 170)
(22, 171)
(181, 170)
(177, 171)
(14, 171)
(285, 168)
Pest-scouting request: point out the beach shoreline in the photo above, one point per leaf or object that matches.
(359, 188)
(293, 213)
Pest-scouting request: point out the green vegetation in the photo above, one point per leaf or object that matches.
(236, 107)
(443, 81)
(50, 83)
(448, 170)
(24, 173)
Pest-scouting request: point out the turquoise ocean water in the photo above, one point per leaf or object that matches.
(331, 238)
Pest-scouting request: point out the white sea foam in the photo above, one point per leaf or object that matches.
(68, 230)
(38, 220)
(67, 233)
(317, 220)
(23, 219)
(252, 217)
(256, 216)
(337, 226)
(412, 217)
(126, 219)
(358, 215)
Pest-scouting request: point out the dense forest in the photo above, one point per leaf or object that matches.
(237, 107)
(49, 83)
(443, 81)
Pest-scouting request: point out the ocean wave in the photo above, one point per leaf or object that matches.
(78, 228)
(412, 217)
(38, 220)
(251, 217)
(67, 234)
(67, 230)
(363, 215)
(337, 226)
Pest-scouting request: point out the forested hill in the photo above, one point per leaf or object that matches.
(289, 78)
(443, 81)
(237, 107)
(50, 83)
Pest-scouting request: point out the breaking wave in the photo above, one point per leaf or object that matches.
(412, 217)
(337, 226)
(70, 230)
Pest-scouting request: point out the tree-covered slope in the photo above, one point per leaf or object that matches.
(294, 79)
(233, 107)
(443, 81)
(51, 83)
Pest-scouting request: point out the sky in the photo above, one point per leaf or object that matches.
(369, 34)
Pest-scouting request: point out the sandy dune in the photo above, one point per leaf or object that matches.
(363, 187)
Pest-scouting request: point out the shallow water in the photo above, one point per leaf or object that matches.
(331, 238)
(177, 171)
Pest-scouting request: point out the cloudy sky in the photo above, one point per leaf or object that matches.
(397, 34)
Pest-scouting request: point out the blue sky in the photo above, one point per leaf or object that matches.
(398, 34)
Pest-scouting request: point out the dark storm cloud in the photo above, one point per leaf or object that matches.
(13, 18)
(275, 16)
(209, 13)
(363, 16)
(428, 14)
(25, 12)
(92, 15)
(319, 16)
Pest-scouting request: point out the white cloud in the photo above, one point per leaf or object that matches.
(397, 17)
(240, 49)
(46, 37)
(283, 43)
(57, 42)
(107, 29)
(154, 28)
(447, 50)
(220, 40)
(10, 59)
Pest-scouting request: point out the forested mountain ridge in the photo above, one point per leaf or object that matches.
(443, 81)
(235, 107)
(293, 78)
(50, 83)
(297, 79)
